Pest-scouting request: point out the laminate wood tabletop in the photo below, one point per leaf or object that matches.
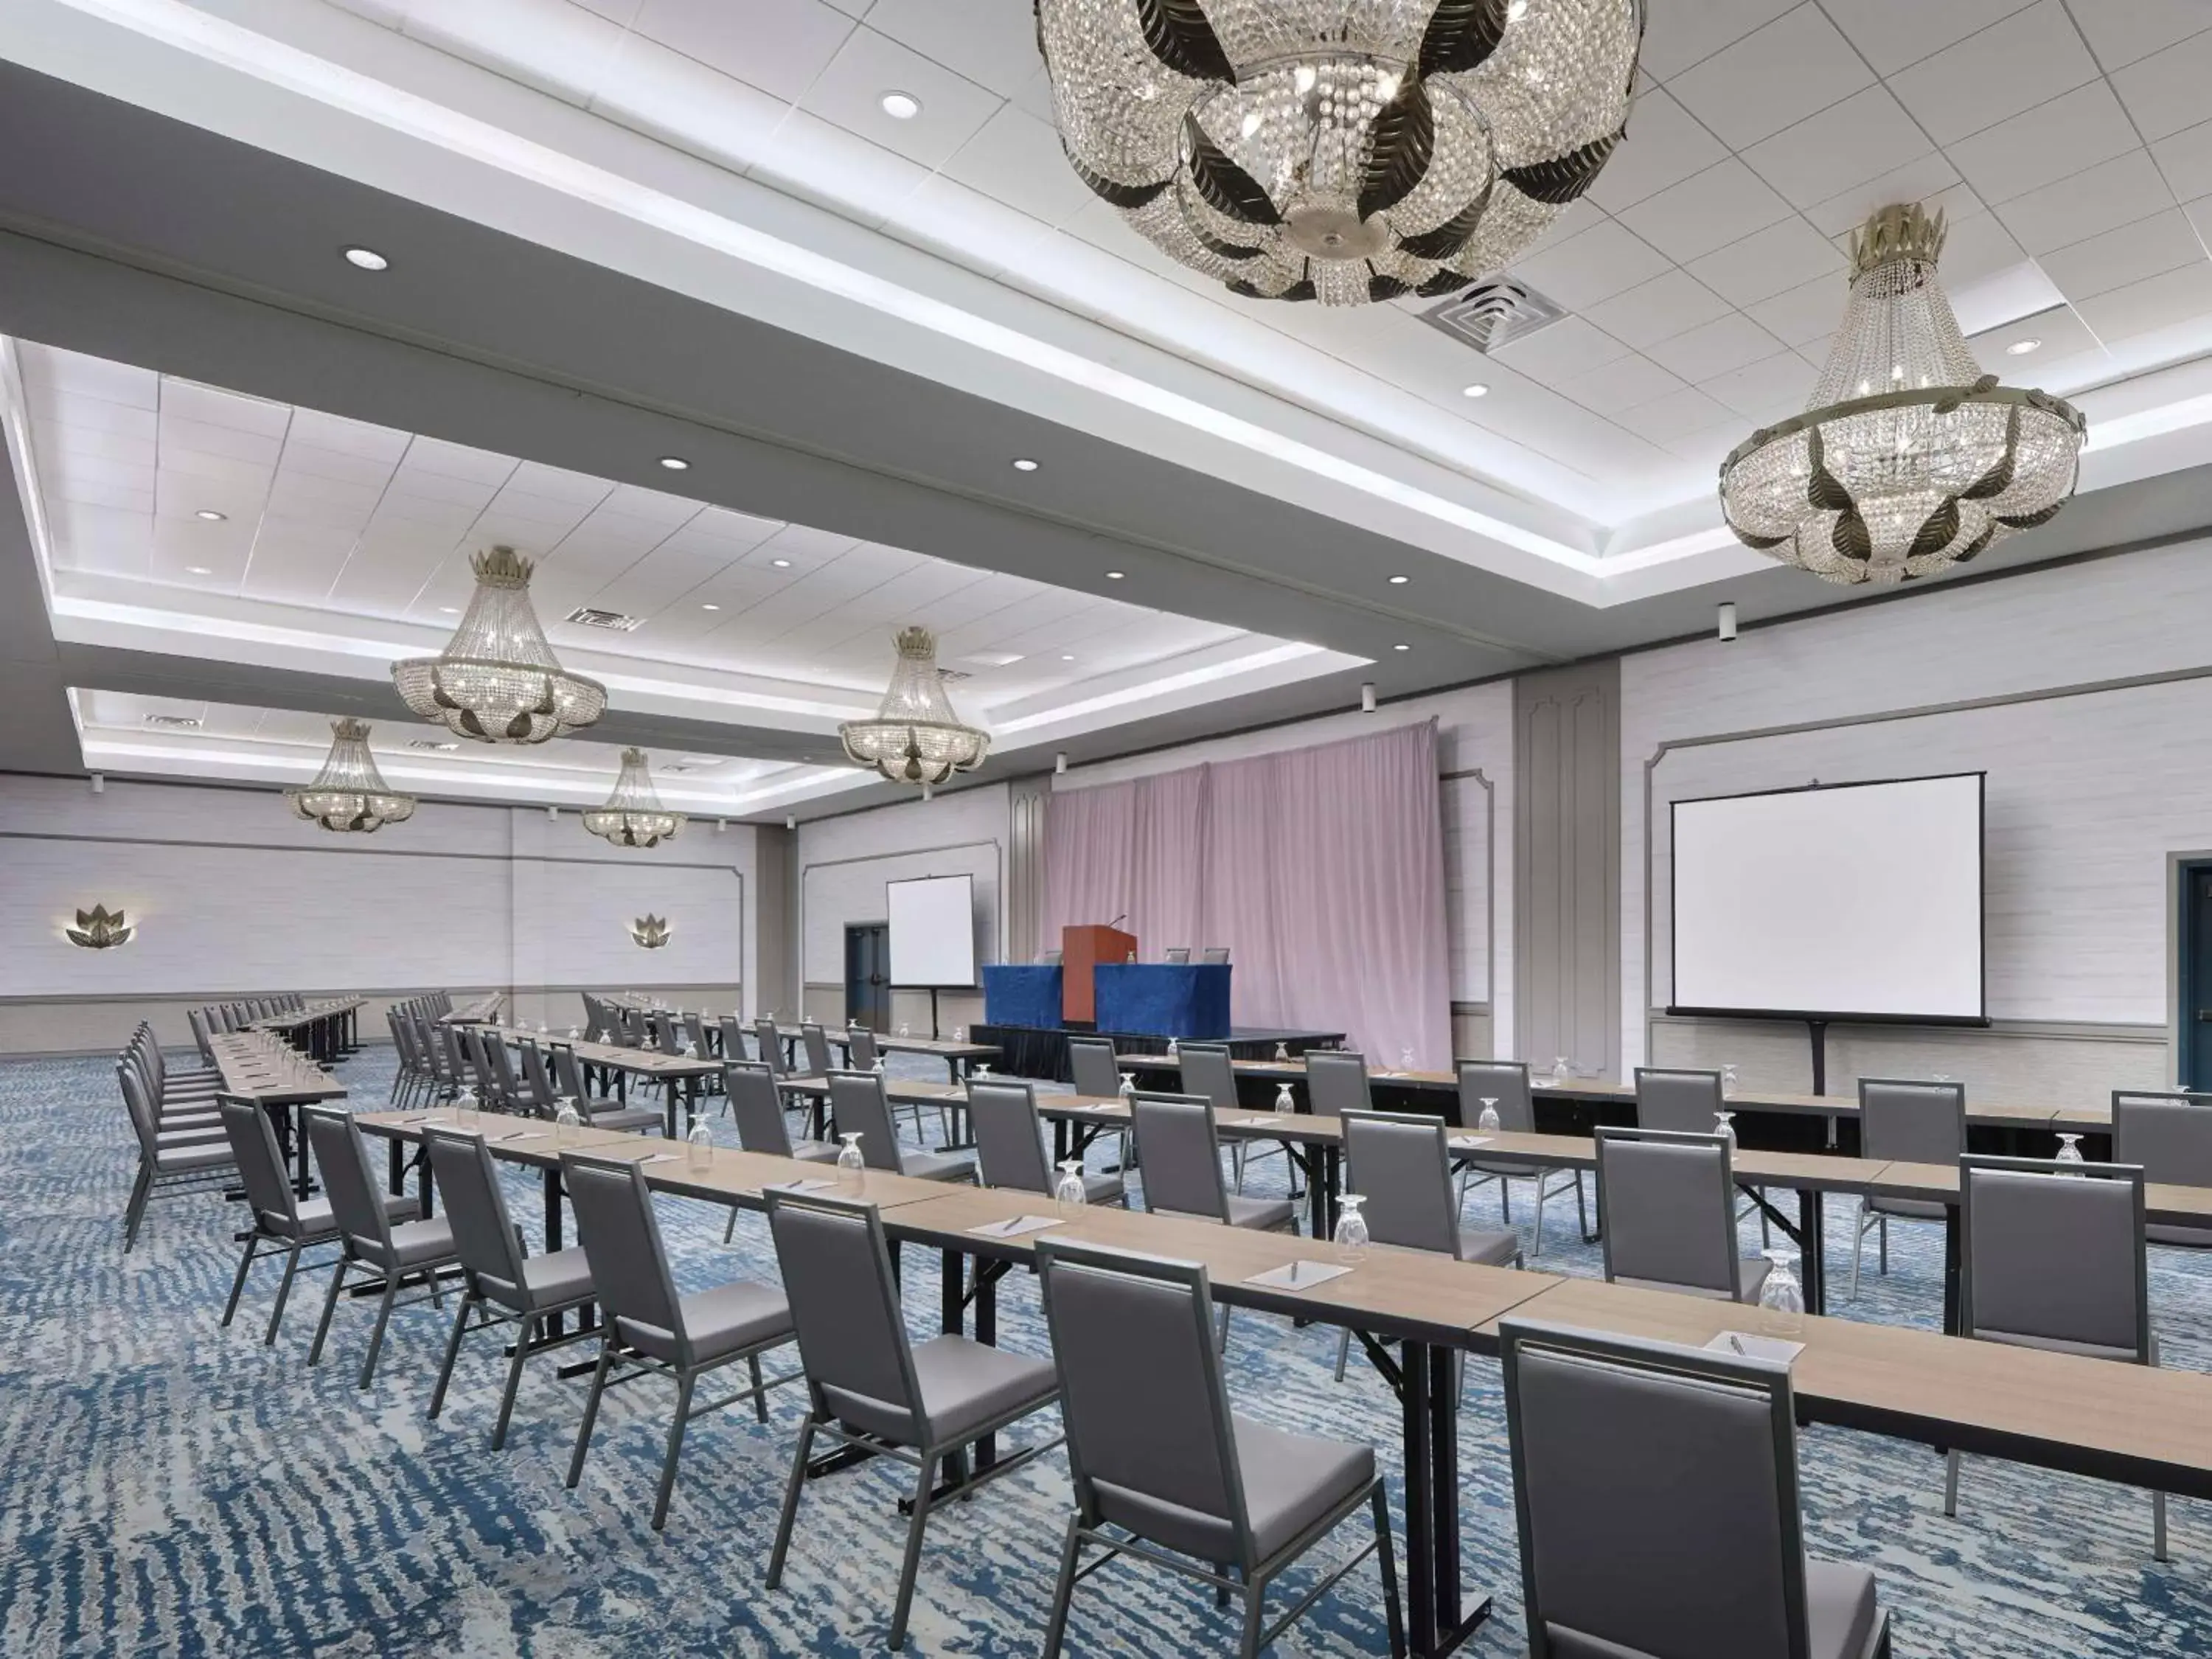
(253, 1069)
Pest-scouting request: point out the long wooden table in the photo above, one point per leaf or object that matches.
(256, 1067)
(324, 1028)
(683, 1074)
(955, 1055)
(476, 1011)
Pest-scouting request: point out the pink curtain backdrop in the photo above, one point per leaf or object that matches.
(1321, 869)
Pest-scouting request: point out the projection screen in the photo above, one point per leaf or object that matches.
(933, 931)
(1841, 900)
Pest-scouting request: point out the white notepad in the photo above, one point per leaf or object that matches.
(1015, 1227)
(1755, 1347)
(1468, 1143)
(808, 1184)
(1297, 1275)
(661, 1158)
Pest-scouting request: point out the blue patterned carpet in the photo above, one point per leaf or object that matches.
(173, 1488)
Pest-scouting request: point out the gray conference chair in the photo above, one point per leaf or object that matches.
(1091, 1063)
(1165, 1470)
(733, 1035)
(1047, 959)
(1010, 1144)
(170, 1162)
(1215, 956)
(1666, 1203)
(388, 1254)
(1336, 1081)
(1506, 1082)
(1181, 1158)
(601, 1112)
(1208, 1072)
(1657, 1496)
(1401, 1163)
(858, 1104)
(770, 1044)
(1690, 1102)
(502, 1283)
(816, 1043)
(1904, 1122)
(2051, 1256)
(2169, 1135)
(651, 1328)
(1176, 954)
(872, 1388)
(762, 1128)
(695, 1028)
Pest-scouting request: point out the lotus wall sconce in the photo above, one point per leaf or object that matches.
(650, 932)
(100, 929)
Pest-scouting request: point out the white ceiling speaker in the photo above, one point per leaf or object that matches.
(1726, 619)
(1367, 697)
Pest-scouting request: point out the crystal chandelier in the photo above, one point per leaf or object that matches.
(349, 793)
(1908, 459)
(916, 738)
(634, 816)
(497, 680)
(1342, 150)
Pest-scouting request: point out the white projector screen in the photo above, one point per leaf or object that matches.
(1843, 899)
(933, 931)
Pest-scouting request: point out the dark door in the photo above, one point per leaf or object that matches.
(2197, 977)
(867, 974)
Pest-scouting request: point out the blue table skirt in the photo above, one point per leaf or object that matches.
(1021, 994)
(1163, 999)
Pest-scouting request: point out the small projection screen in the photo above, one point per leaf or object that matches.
(933, 931)
(1841, 900)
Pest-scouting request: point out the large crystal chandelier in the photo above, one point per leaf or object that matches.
(634, 816)
(1908, 459)
(1343, 151)
(349, 793)
(497, 680)
(916, 738)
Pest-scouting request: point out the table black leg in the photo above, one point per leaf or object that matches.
(1812, 1224)
(953, 1322)
(691, 1101)
(1951, 1270)
(1429, 1388)
(987, 1332)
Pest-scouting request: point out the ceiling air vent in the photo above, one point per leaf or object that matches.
(954, 675)
(613, 620)
(431, 743)
(1494, 312)
(175, 722)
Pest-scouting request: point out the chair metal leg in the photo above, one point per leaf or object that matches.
(284, 1293)
(2158, 1527)
(1951, 1484)
(729, 1227)
(376, 1337)
(1884, 1226)
(1063, 1590)
(452, 1353)
(910, 1567)
(591, 1406)
(1254, 1607)
(1505, 1198)
(329, 1307)
(684, 1383)
(760, 1389)
(513, 1384)
(791, 1489)
(1582, 1207)
(1385, 1561)
(141, 1190)
(1343, 1351)
(1858, 1248)
(238, 1284)
(1223, 1342)
(1540, 1213)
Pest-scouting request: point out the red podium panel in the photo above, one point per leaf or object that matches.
(1082, 948)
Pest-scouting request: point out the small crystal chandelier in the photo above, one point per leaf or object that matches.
(349, 793)
(1908, 459)
(634, 816)
(916, 738)
(497, 680)
(1342, 150)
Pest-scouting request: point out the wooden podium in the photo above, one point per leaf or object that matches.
(1082, 948)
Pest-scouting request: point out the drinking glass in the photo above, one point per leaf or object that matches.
(1781, 1298)
(2069, 1152)
(1352, 1230)
(880, 1063)
(1128, 1085)
(1173, 1051)
(1488, 1122)
(1724, 1126)
(465, 1108)
(960, 1034)
(983, 1068)
(572, 1034)
(848, 1159)
(1069, 1194)
(1406, 1058)
(1728, 1082)
(1560, 1072)
(905, 1029)
(566, 1120)
(1283, 1102)
(1282, 1051)
(702, 1143)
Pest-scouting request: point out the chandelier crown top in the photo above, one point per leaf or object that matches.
(349, 729)
(1903, 230)
(917, 642)
(501, 567)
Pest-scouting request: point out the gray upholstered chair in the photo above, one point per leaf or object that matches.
(1166, 1470)
(1208, 1072)
(600, 1111)
(1666, 1203)
(1091, 1063)
(758, 1110)
(858, 1104)
(816, 1041)
(2052, 1256)
(281, 1219)
(646, 1325)
(1904, 1122)
(387, 1254)
(1010, 1144)
(1401, 1163)
(732, 1036)
(695, 1028)
(1175, 955)
(870, 1387)
(1336, 1081)
(1679, 1101)
(2169, 1135)
(195, 1159)
(501, 1283)
(1215, 956)
(769, 1042)
(1506, 1082)
(1181, 1158)
(1657, 1495)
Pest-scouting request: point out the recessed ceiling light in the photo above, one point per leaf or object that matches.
(1024, 464)
(1064, 657)
(1114, 575)
(901, 105)
(781, 564)
(710, 607)
(675, 463)
(366, 258)
(1400, 581)
(210, 515)
(450, 610)
(1478, 389)
(2021, 348)
(198, 570)
(1401, 646)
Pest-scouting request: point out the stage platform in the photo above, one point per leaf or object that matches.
(1041, 1052)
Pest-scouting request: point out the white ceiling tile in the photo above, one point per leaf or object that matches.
(824, 163)
(1707, 447)
(2186, 160)
(657, 90)
(408, 486)
(2164, 93)
(2121, 30)
(1035, 95)
(992, 44)
(123, 498)
(222, 470)
(1600, 262)
(623, 12)
(1680, 32)
(1976, 248)
(1768, 262)
(1783, 380)
(1894, 32)
(1621, 384)
(1865, 136)
(1649, 312)
(1773, 77)
(184, 401)
(2027, 58)
(2118, 193)
(260, 448)
(1665, 145)
(1930, 180)
(849, 93)
(1562, 350)
(451, 460)
(1015, 159)
(68, 473)
(778, 45)
(1722, 204)
(2071, 133)
(139, 446)
(559, 49)
(2161, 302)
(2062, 334)
(1686, 410)
(71, 414)
(1727, 342)
(2164, 241)
(78, 375)
(345, 437)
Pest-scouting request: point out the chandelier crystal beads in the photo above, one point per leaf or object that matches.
(497, 680)
(1908, 459)
(1341, 150)
(349, 793)
(916, 738)
(634, 816)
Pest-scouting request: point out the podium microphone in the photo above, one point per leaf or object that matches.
(1119, 920)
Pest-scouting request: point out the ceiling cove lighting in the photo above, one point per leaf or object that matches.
(916, 737)
(634, 816)
(350, 794)
(1908, 459)
(198, 570)
(497, 680)
(1305, 149)
(900, 105)
(367, 258)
